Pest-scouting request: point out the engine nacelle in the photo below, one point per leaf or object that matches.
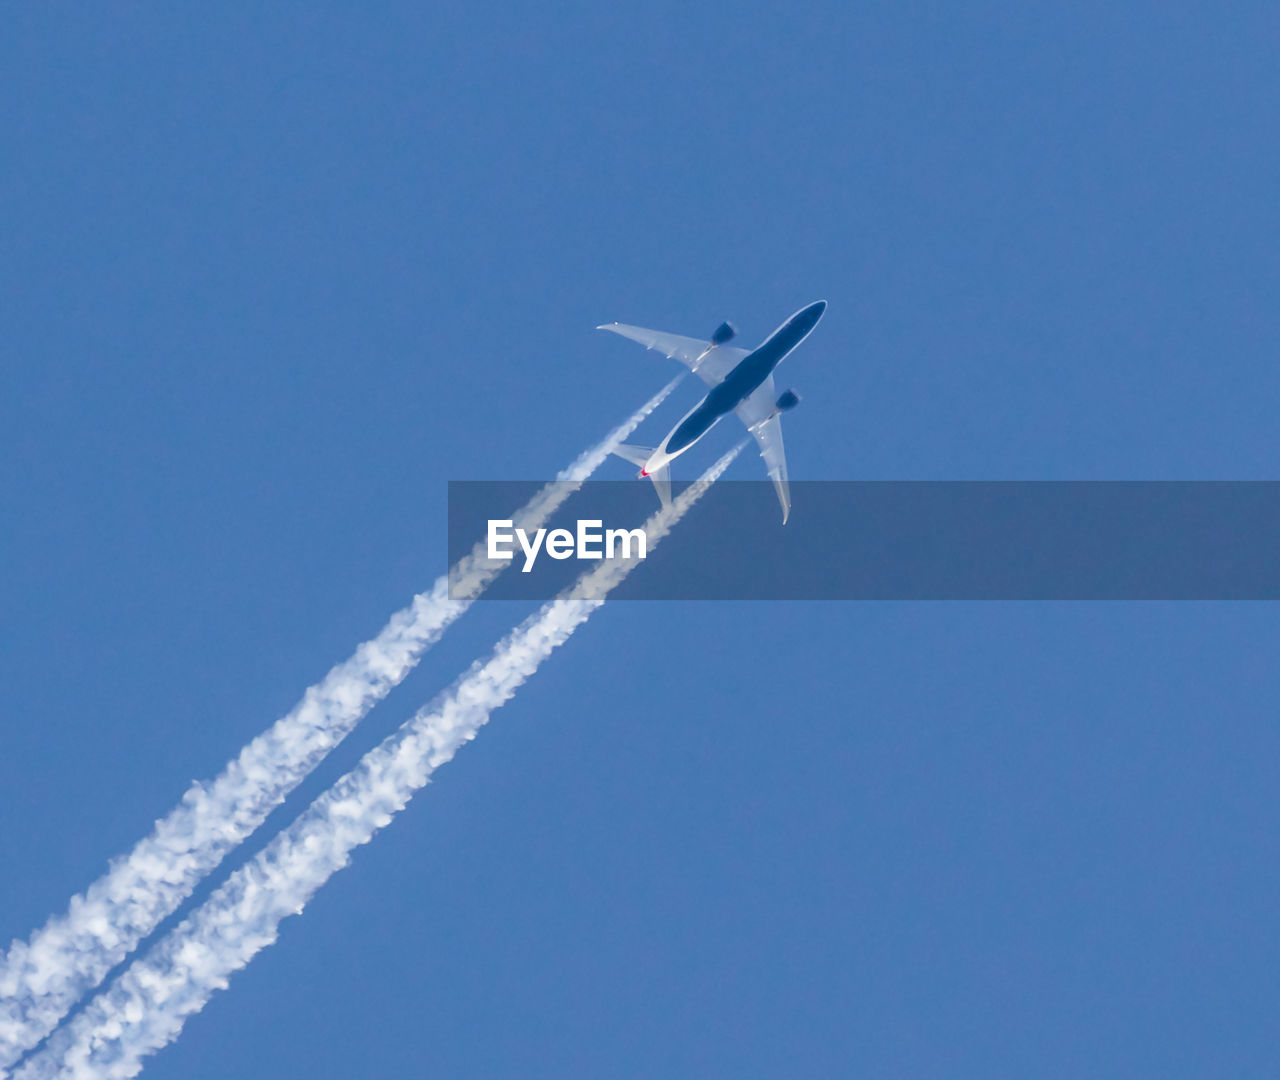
(724, 332)
(789, 399)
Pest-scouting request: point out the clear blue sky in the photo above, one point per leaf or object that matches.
(270, 280)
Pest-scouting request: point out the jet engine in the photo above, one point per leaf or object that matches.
(789, 399)
(724, 332)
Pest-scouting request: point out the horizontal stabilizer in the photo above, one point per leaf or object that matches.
(637, 455)
(661, 477)
(662, 484)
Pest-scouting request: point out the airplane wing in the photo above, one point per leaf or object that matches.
(760, 413)
(711, 363)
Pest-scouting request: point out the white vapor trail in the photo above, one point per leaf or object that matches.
(41, 979)
(147, 1006)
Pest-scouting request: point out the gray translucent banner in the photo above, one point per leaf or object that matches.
(892, 540)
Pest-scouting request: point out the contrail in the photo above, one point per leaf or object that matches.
(147, 1006)
(41, 979)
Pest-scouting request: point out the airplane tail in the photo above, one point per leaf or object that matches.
(639, 455)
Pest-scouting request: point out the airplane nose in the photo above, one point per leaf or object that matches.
(807, 318)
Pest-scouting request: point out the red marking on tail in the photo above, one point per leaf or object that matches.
(643, 473)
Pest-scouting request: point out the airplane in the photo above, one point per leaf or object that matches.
(741, 382)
